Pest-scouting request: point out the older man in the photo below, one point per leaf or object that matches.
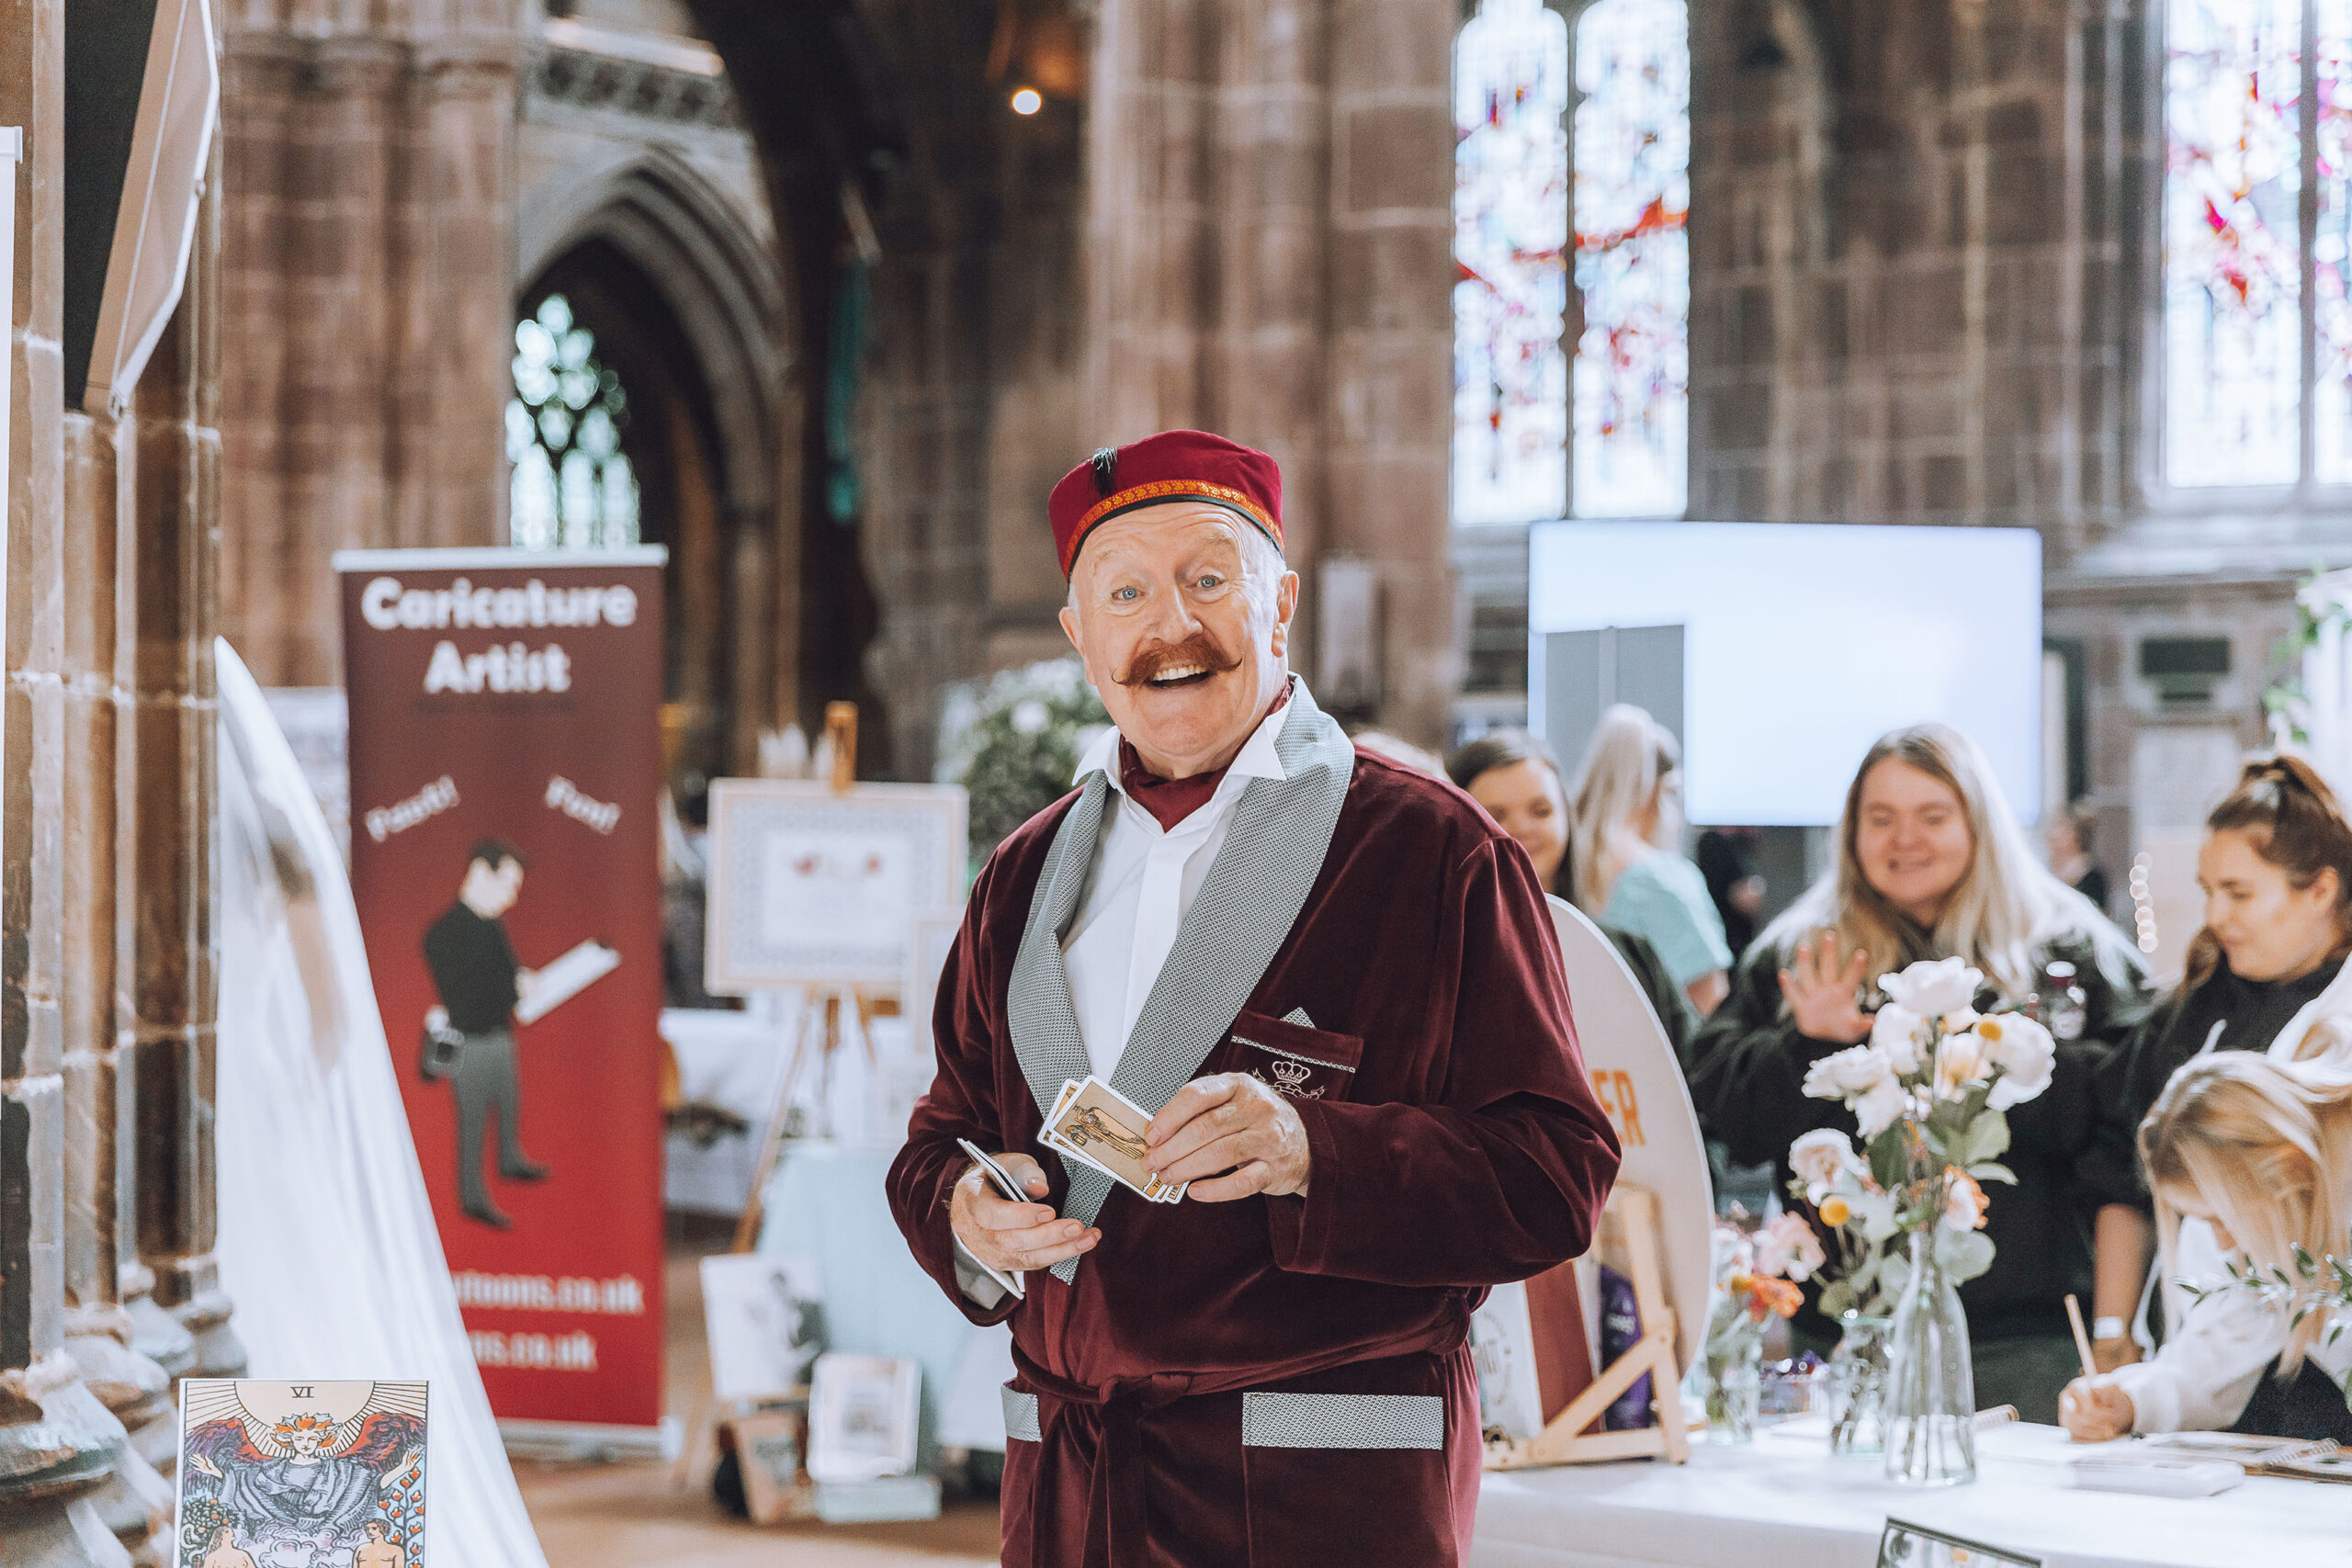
(1334, 983)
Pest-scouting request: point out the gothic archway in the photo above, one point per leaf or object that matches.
(688, 314)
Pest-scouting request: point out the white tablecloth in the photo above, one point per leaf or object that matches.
(1783, 1500)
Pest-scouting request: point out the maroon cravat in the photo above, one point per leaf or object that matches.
(1169, 801)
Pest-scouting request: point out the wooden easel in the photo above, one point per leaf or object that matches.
(1629, 1229)
(816, 1018)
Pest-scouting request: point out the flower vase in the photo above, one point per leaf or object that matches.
(1734, 1374)
(1856, 1379)
(1931, 1399)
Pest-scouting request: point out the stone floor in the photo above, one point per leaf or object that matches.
(630, 1515)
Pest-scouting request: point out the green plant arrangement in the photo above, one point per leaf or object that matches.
(1016, 756)
(2286, 706)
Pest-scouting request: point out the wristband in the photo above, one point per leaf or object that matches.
(2109, 1329)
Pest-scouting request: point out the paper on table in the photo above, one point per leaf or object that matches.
(556, 983)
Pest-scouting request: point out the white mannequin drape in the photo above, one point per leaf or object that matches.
(327, 1243)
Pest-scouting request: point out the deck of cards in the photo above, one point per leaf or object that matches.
(1095, 1124)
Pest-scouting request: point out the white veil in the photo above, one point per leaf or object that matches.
(327, 1242)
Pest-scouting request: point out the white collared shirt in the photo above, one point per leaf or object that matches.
(1144, 881)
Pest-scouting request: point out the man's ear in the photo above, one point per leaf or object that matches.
(1069, 629)
(1285, 607)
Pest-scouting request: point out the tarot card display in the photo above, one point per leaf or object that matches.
(301, 1474)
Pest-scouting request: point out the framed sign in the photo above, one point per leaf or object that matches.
(765, 1318)
(811, 887)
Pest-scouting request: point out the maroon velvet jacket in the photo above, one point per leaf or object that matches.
(1456, 1145)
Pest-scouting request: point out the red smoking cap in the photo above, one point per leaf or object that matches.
(1175, 464)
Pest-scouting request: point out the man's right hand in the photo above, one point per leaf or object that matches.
(1007, 1236)
(2094, 1410)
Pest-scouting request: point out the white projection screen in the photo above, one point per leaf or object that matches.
(1802, 643)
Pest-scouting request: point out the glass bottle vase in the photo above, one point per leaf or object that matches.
(1855, 1379)
(1930, 1394)
(1733, 1369)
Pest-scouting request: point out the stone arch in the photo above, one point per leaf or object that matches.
(689, 278)
(713, 264)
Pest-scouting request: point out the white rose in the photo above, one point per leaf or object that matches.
(1786, 1247)
(1881, 1107)
(1960, 1059)
(1821, 1157)
(1934, 988)
(1844, 1075)
(1894, 1029)
(2024, 1052)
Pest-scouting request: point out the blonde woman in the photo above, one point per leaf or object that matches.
(2276, 870)
(1930, 864)
(2261, 1150)
(1625, 811)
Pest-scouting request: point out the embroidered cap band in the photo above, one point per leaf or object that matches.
(1175, 464)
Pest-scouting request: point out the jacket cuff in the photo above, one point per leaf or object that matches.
(1301, 1228)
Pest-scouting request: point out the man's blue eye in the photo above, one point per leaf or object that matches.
(1123, 593)
(1210, 581)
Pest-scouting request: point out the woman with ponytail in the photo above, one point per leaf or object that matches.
(2260, 1150)
(2276, 868)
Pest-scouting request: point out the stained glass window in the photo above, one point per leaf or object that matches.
(572, 486)
(2332, 246)
(1510, 231)
(2233, 310)
(1633, 207)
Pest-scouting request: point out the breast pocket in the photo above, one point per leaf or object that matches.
(1296, 1059)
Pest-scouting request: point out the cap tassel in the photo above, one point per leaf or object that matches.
(1105, 464)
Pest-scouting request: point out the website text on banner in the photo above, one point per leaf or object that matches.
(505, 767)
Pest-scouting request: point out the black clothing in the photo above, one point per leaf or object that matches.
(2308, 1406)
(473, 968)
(2225, 1013)
(2093, 887)
(1668, 1000)
(1747, 1067)
(1727, 859)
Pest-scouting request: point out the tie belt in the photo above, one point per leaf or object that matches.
(1116, 1528)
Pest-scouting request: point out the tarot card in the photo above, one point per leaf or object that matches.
(301, 1474)
(1106, 1128)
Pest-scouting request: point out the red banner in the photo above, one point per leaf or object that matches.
(506, 768)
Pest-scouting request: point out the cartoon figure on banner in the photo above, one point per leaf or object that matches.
(470, 1038)
(302, 1475)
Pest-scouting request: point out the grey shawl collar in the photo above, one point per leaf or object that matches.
(1273, 852)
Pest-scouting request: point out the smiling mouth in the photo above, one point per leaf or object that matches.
(1180, 675)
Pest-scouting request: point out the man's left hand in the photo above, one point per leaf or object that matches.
(1229, 1135)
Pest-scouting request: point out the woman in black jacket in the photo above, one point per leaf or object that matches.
(1930, 864)
(2276, 867)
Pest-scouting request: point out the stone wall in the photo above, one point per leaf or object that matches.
(107, 1003)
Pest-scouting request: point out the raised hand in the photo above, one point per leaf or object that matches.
(1821, 991)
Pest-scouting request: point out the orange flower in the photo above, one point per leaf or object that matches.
(1778, 1296)
(1834, 1211)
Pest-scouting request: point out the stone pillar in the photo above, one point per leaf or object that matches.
(1389, 370)
(58, 1443)
(455, 245)
(99, 1090)
(1149, 232)
(174, 992)
(260, 74)
(1271, 164)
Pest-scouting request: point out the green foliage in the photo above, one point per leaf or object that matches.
(2283, 699)
(1016, 755)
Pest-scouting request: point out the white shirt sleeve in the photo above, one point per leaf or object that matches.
(971, 1278)
(2208, 1368)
